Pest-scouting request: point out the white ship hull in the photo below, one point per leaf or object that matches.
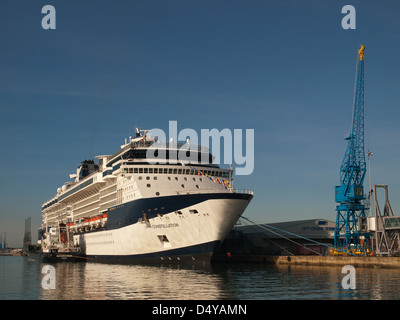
(172, 237)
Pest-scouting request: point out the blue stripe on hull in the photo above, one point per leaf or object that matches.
(197, 254)
(128, 213)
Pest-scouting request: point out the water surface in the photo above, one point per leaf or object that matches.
(21, 278)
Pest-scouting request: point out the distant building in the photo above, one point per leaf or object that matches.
(283, 238)
(3, 242)
(27, 235)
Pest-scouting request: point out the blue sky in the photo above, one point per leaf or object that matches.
(283, 68)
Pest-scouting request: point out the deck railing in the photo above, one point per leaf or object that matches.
(245, 191)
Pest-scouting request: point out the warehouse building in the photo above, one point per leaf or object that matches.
(303, 237)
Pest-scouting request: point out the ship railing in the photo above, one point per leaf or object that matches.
(173, 145)
(244, 191)
(69, 249)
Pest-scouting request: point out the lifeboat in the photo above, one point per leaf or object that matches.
(104, 219)
(92, 221)
(71, 226)
(63, 237)
(86, 224)
(98, 221)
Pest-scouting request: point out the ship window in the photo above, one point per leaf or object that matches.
(200, 179)
(136, 170)
(187, 171)
(176, 178)
(150, 170)
(179, 171)
(178, 212)
(140, 170)
(185, 178)
(157, 193)
(193, 211)
(194, 179)
(145, 170)
(155, 178)
(148, 185)
(130, 170)
(169, 171)
(169, 178)
(140, 178)
(182, 185)
(197, 186)
(147, 178)
(155, 170)
(175, 171)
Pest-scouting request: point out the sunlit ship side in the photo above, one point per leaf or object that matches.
(124, 209)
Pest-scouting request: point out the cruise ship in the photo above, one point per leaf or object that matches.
(125, 208)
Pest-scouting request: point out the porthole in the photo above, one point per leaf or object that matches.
(157, 193)
(155, 178)
(197, 186)
(182, 185)
(148, 185)
(176, 178)
(140, 178)
(147, 178)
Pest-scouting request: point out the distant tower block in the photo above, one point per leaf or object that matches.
(27, 234)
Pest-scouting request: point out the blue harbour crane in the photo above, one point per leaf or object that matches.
(350, 194)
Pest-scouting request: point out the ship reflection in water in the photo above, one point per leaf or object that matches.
(120, 282)
(96, 281)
